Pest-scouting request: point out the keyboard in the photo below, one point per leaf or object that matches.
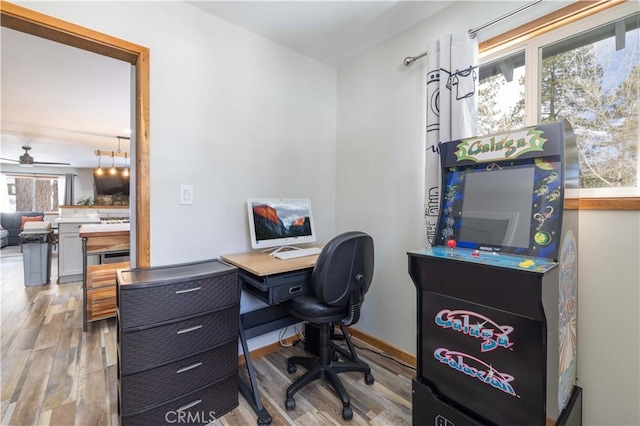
(292, 254)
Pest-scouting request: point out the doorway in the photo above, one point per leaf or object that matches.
(25, 20)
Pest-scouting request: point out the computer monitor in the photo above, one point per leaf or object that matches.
(277, 222)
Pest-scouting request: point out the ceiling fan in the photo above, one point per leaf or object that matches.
(28, 161)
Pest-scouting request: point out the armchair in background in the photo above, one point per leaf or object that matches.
(4, 237)
(341, 277)
(14, 222)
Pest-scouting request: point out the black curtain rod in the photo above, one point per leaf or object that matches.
(409, 60)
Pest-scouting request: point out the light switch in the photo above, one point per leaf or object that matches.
(186, 194)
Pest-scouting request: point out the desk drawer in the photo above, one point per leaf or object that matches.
(145, 305)
(152, 387)
(274, 289)
(197, 408)
(152, 347)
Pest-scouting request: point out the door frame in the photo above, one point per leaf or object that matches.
(28, 21)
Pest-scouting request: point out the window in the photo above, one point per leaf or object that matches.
(587, 72)
(501, 94)
(27, 193)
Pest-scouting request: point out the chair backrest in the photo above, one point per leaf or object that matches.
(344, 269)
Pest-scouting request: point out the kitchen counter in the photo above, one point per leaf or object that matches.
(102, 229)
(77, 220)
(104, 238)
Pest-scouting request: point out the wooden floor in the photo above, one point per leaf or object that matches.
(54, 374)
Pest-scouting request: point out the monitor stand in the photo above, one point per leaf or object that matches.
(278, 249)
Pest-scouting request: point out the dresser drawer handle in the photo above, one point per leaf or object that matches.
(188, 330)
(191, 404)
(296, 289)
(191, 367)
(189, 290)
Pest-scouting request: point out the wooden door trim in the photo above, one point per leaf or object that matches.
(40, 25)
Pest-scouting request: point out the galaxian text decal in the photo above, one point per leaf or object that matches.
(476, 368)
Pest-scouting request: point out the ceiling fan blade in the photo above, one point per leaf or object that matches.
(27, 160)
(51, 163)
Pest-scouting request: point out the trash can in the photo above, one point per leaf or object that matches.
(36, 241)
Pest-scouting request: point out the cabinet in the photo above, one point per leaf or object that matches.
(99, 281)
(70, 252)
(488, 340)
(177, 343)
(100, 291)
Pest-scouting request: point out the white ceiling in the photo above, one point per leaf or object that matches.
(330, 31)
(63, 102)
(66, 103)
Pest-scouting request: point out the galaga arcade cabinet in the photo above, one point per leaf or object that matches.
(497, 292)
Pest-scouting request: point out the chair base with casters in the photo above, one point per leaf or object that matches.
(324, 367)
(341, 277)
(351, 355)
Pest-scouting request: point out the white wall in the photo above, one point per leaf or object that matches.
(380, 189)
(83, 184)
(380, 161)
(232, 114)
(608, 316)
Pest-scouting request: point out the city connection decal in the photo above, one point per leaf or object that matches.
(460, 321)
(483, 372)
(505, 146)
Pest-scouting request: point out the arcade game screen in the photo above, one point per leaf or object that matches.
(501, 220)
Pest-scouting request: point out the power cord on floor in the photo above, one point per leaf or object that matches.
(382, 354)
(386, 356)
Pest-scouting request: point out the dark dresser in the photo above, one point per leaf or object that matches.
(177, 343)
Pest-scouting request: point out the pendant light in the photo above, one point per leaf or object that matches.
(125, 171)
(113, 170)
(99, 170)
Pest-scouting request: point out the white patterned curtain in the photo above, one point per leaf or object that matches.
(452, 105)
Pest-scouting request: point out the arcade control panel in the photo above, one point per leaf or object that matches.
(511, 261)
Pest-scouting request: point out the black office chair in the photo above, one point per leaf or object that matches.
(341, 278)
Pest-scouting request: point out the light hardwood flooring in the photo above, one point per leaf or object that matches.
(54, 374)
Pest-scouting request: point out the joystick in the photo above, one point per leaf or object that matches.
(451, 244)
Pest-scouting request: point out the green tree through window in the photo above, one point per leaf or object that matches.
(591, 78)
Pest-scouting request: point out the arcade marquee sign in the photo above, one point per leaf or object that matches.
(501, 147)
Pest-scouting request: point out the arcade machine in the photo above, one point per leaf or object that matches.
(497, 292)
